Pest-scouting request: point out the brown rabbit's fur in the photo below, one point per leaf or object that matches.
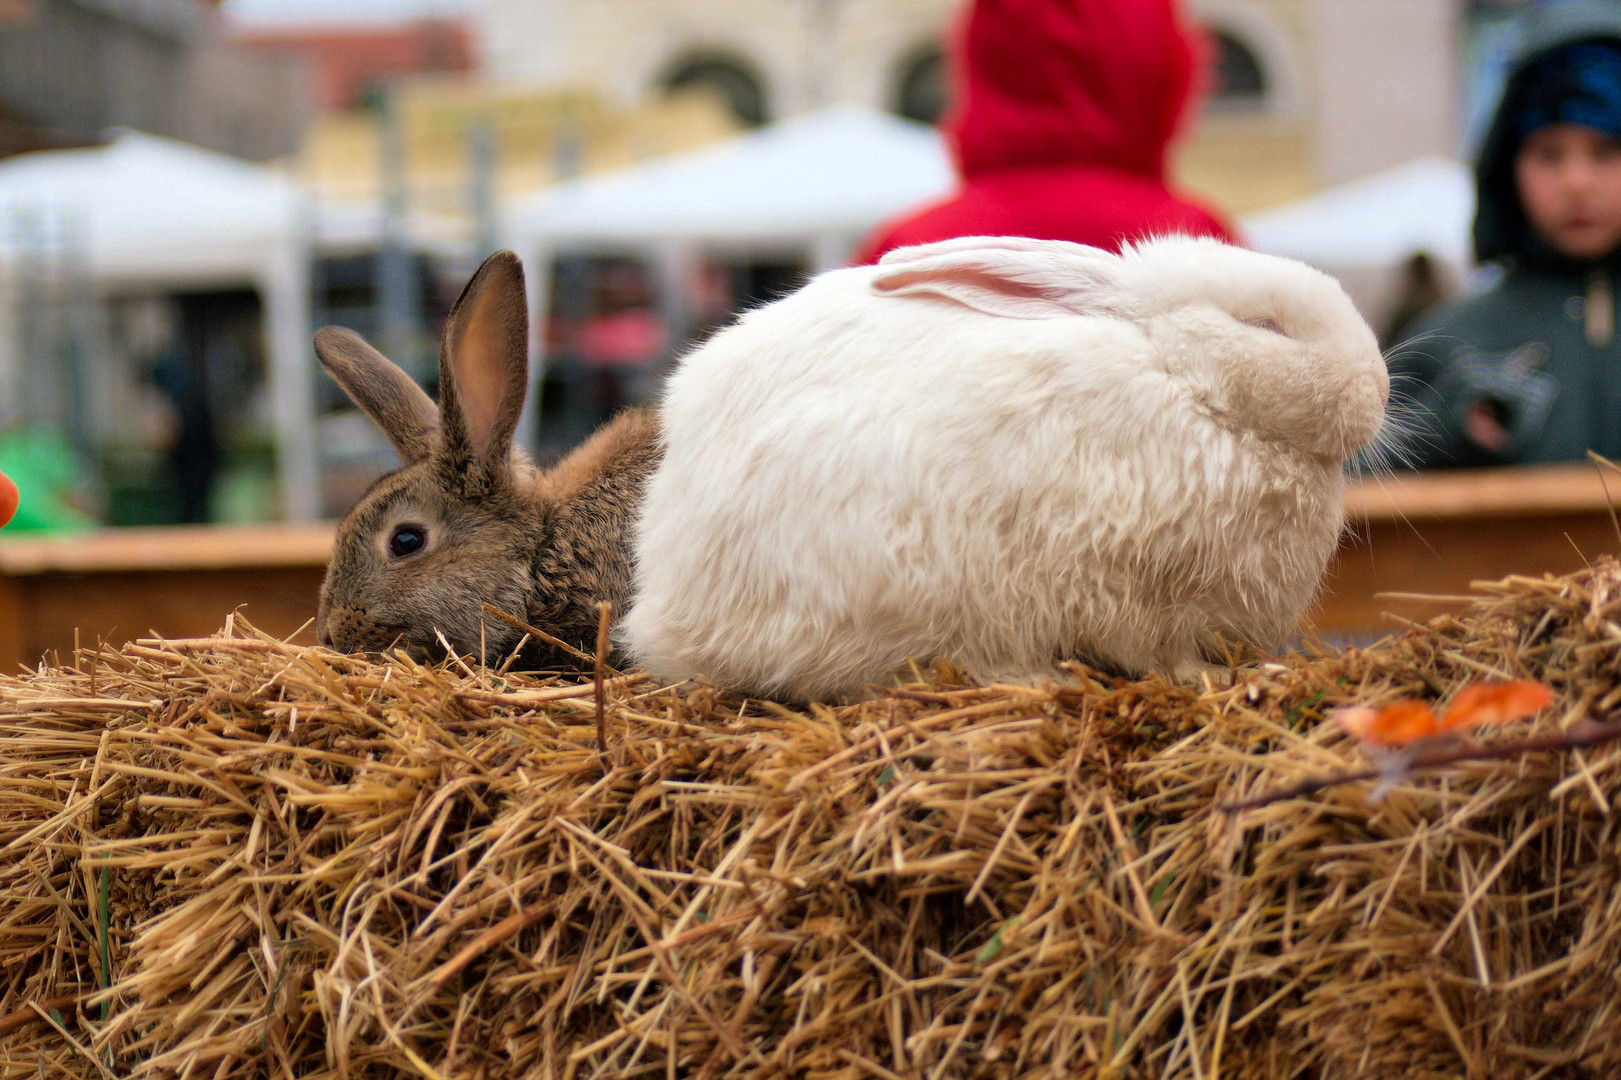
(547, 545)
(587, 558)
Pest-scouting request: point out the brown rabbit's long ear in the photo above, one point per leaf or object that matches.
(383, 391)
(484, 370)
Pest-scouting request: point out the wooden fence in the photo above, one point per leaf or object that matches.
(1420, 534)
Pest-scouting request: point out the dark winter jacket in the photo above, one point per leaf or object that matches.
(1540, 344)
(1061, 114)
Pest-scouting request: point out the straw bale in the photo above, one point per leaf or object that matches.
(236, 857)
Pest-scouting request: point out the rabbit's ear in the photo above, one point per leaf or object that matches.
(384, 392)
(484, 366)
(967, 243)
(1007, 276)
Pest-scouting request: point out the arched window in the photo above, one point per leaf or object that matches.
(739, 88)
(1239, 77)
(921, 91)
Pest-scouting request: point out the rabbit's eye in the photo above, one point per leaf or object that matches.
(406, 540)
(1267, 324)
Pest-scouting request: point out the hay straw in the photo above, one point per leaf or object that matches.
(232, 856)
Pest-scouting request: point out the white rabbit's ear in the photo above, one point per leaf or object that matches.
(484, 366)
(967, 243)
(1006, 276)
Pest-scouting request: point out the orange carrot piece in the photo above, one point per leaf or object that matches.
(1397, 724)
(1489, 704)
(1479, 705)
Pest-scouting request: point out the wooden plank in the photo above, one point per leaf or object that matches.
(1418, 533)
(115, 585)
(1531, 491)
(1441, 555)
(120, 607)
(16, 616)
(201, 547)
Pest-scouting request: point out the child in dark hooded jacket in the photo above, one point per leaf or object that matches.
(1530, 369)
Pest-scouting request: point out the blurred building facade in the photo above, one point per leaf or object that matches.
(350, 64)
(70, 69)
(1310, 92)
(772, 58)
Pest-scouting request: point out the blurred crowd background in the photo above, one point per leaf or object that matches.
(187, 189)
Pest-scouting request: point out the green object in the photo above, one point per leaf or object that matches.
(245, 488)
(50, 480)
(989, 950)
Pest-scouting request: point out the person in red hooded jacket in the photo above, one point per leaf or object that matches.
(1062, 111)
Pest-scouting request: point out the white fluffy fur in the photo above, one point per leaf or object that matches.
(1005, 452)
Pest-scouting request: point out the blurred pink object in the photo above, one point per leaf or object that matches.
(625, 338)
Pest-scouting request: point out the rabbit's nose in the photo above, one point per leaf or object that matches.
(352, 630)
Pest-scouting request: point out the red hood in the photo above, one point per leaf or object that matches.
(1070, 82)
(1064, 110)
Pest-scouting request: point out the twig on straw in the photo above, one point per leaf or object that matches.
(1578, 736)
(604, 618)
(557, 642)
(486, 941)
(84, 1051)
(523, 698)
(216, 644)
(56, 704)
(12, 1021)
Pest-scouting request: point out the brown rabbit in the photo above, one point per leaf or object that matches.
(468, 519)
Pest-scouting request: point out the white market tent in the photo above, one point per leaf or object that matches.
(1426, 205)
(1366, 232)
(358, 227)
(153, 213)
(814, 183)
(809, 186)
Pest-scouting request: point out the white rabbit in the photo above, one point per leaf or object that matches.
(1005, 452)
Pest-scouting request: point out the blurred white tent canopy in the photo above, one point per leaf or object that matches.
(1368, 231)
(1426, 205)
(807, 187)
(358, 227)
(153, 213)
(814, 184)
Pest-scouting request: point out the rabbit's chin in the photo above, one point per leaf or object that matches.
(352, 630)
(1334, 434)
(1328, 402)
